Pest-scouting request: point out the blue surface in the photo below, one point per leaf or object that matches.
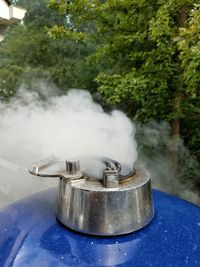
(31, 236)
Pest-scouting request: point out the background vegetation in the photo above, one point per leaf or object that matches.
(140, 56)
(29, 53)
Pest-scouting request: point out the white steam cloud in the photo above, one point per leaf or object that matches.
(73, 125)
(153, 139)
(64, 127)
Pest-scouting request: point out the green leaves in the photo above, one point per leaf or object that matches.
(150, 53)
(189, 47)
(62, 32)
(29, 53)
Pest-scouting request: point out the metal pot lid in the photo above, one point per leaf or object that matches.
(71, 169)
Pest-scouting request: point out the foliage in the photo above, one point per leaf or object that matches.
(29, 53)
(151, 52)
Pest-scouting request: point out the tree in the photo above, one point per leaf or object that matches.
(150, 44)
(29, 54)
(151, 56)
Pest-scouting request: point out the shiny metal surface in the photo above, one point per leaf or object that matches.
(53, 167)
(72, 166)
(113, 205)
(86, 206)
(111, 178)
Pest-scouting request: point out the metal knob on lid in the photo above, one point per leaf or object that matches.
(113, 205)
(72, 166)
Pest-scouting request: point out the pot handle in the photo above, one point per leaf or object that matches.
(43, 168)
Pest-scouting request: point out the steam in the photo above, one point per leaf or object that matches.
(34, 127)
(153, 139)
(61, 126)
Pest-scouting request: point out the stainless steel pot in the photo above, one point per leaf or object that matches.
(113, 205)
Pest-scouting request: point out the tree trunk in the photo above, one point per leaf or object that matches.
(173, 145)
(173, 149)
